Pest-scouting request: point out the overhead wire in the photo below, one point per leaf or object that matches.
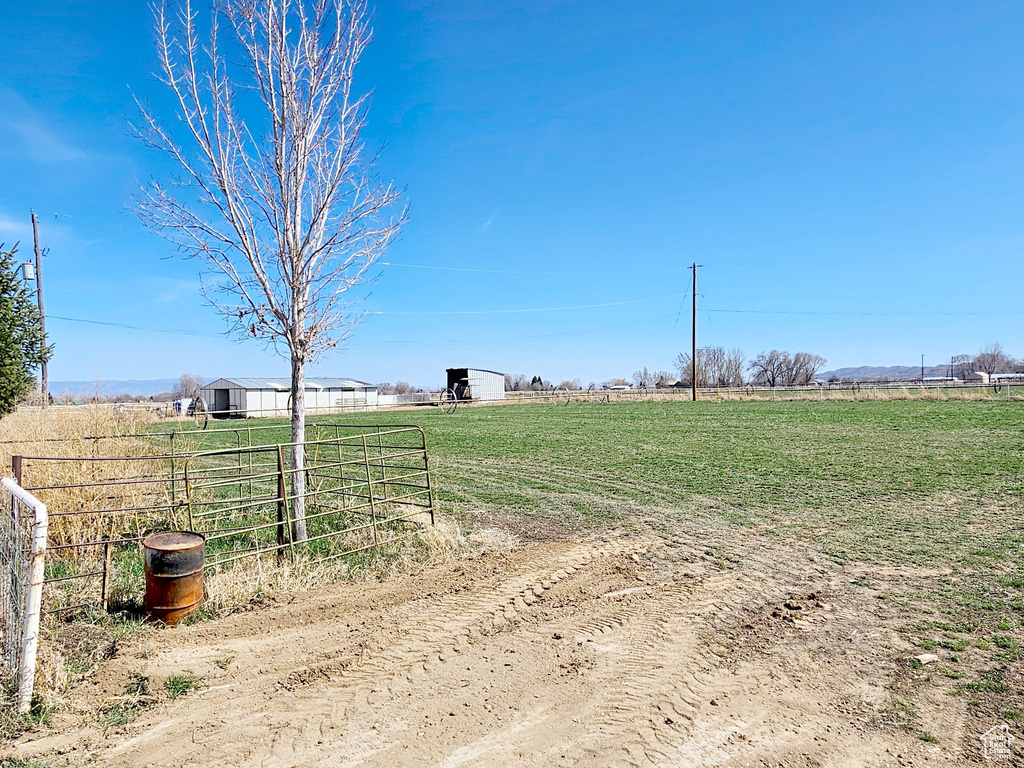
(524, 310)
(174, 331)
(750, 261)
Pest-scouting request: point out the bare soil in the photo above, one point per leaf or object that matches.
(624, 650)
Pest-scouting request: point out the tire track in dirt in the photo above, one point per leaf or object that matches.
(661, 669)
(409, 641)
(435, 626)
(655, 672)
(588, 654)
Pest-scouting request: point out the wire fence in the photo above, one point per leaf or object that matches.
(357, 488)
(22, 552)
(866, 390)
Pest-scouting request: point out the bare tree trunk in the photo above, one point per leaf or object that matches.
(299, 448)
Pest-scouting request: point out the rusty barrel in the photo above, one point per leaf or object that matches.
(174, 574)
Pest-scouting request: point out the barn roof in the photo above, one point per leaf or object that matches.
(283, 383)
(481, 370)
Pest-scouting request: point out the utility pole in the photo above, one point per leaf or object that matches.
(693, 357)
(922, 368)
(44, 383)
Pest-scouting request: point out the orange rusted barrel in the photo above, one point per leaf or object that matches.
(174, 574)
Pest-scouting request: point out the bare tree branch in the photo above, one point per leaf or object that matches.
(282, 206)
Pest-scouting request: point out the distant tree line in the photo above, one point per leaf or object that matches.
(781, 369)
(520, 382)
(718, 367)
(398, 388)
(992, 358)
(715, 367)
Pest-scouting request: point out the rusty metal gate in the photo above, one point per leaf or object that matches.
(359, 490)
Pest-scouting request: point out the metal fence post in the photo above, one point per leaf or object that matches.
(106, 574)
(369, 489)
(249, 452)
(426, 469)
(383, 467)
(282, 502)
(173, 480)
(341, 468)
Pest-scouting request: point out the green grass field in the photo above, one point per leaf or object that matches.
(927, 495)
(893, 481)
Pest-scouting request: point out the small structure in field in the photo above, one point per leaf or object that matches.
(976, 377)
(254, 397)
(476, 384)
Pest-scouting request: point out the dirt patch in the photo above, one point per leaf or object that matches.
(632, 650)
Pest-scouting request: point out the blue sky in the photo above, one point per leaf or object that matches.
(848, 174)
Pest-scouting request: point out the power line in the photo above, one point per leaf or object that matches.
(174, 331)
(478, 271)
(511, 339)
(754, 261)
(531, 309)
(958, 313)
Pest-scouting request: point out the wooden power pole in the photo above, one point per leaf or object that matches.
(44, 383)
(693, 352)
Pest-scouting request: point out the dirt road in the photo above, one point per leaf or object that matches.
(631, 650)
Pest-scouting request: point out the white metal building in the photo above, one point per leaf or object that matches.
(476, 384)
(254, 397)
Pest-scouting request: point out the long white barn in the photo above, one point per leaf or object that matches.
(255, 397)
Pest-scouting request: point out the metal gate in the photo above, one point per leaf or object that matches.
(358, 490)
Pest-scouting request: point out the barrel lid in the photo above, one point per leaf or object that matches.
(170, 541)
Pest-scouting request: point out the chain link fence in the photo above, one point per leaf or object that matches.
(22, 552)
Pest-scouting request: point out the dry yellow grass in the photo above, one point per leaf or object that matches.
(71, 486)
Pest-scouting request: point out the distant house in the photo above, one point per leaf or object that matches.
(254, 397)
(976, 377)
(476, 384)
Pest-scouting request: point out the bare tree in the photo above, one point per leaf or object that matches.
(802, 367)
(733, 369)
(991, 359)
(769, 368)
(189, 385)
(516, 382)
(962, 365)
(643, 379)
(285, 211)
(715, 367)
(685, 367)
(663, 379)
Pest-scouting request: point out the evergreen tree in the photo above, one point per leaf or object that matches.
(22, 344)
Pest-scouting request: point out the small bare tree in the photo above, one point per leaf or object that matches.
(516, 382)
(769, 368)
(733, 369)
(991, 359)
(189, 385)
(282, 207)
(961, 365)
(643, 379)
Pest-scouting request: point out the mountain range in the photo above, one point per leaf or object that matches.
(890, 372)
